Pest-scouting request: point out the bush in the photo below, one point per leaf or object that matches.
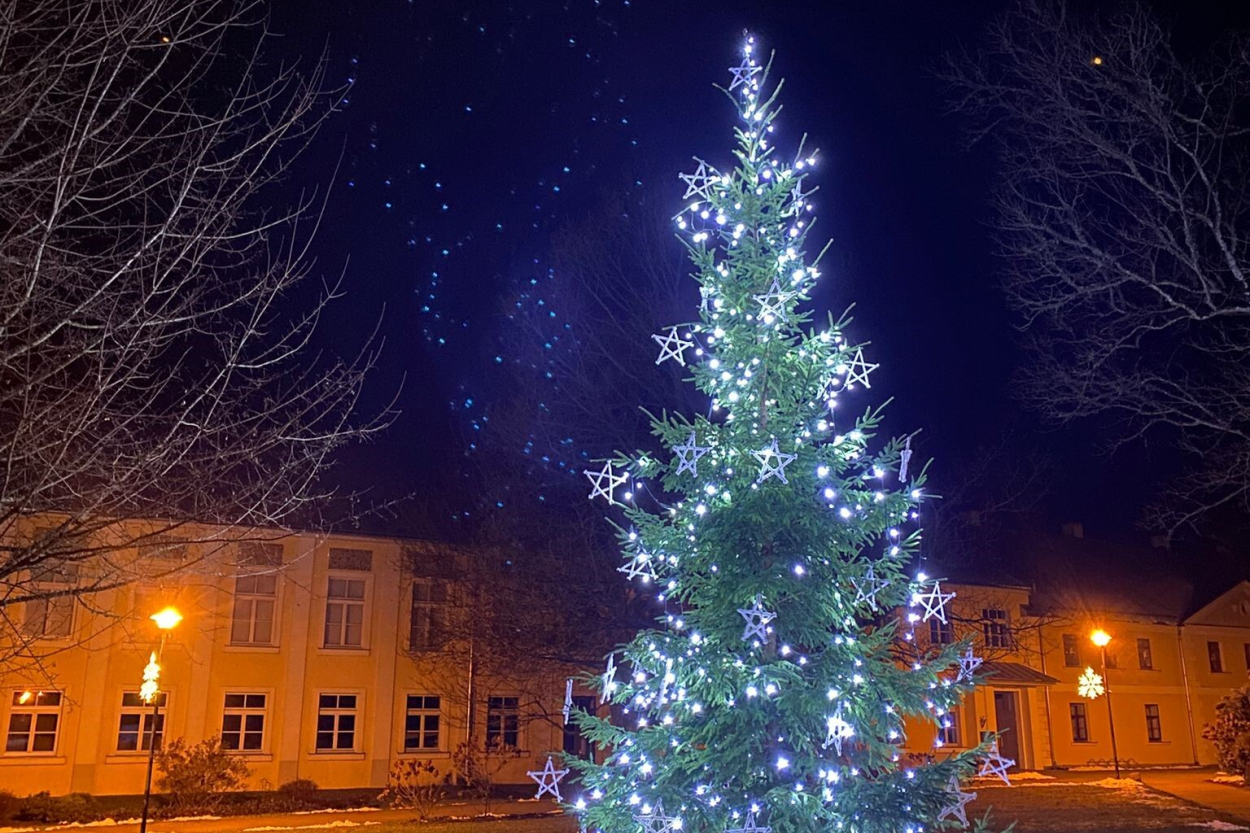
(414, 785)
(299, 788)
(10, 804)
(1231, 733)
(49, 809)
(194, 778)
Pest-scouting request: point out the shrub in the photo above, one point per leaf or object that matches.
(414, 785)
(195, 777)
(10, 804)
(49, 809)
(1231, 733)
(299, 788)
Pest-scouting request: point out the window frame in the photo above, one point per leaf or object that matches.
(366, 580)
(253, 597)
(941, 633)
(1078, 722)
(1215, 659)
(35, 711)
(1148, 654)
(423, 713)
(1071, 641)
(953, 734)
(243, 712)
(504, 712)
(336, 713)
(1154, 723)
(995, 629)
(144, 712)
(69, 601)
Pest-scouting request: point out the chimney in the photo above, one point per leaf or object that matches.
(1074, 529)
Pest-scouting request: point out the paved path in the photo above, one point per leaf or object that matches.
(1195, 785)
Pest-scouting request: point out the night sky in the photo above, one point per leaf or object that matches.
(474, 129)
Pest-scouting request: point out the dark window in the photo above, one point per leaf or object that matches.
(941, 633)
(336, 722)
(252, 619)
(502, 722)
(997, 631)
(1154, 727)
(427, 626)
(1145, 659)
(575, 743)
(950, 731)
(1080, 724)
(422, 723)
(1111, 659)
(1071, 651)
(1216, 657)
(243, 723)
(135, 722)
(34, 719)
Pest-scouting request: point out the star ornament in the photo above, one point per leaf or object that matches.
(838, 731)
(641, 565)
(699, 183)
(757, 619)
(688, 454)
(744, 73)
(655, 821)
(773, 303)
(568, 698)
(858, 369)
(959, 801)
(548, 779)
(773, 462)
(866, 589)
(604, 481)
(968, 664)
(995, 764)
(933, 602)
(672, 346)
(750, 825)
(609, 680)
(904, 459)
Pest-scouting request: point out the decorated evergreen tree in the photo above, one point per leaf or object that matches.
(772, 694)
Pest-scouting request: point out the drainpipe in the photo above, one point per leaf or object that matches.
(1050, 725)
(1189, 703)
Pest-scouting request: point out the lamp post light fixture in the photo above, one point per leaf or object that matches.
(1102, 639)
(150, 692)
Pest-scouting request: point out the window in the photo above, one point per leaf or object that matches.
(1111, 658)
(422, 723)
(1071, 651)
(51, 617)
(1145, 659)
(951, 730)
(502, 722)
(427, 629)
(1080, 723)
(252, 620)
(243, 723)
(1215, 656)
(575, 743)
(997, 633)
(345, 612)
(1154, 728)
(135, 722)
(34, 719)
(941, 633)
(336, 722)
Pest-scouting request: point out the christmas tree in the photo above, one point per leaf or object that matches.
(772, 694)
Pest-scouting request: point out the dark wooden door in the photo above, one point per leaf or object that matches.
(1007, 716)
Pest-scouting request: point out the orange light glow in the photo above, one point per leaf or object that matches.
(1100, 638)
(167, 618)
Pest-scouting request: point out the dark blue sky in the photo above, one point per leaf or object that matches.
(475, 128)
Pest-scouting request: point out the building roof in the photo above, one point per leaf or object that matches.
(1014, 672)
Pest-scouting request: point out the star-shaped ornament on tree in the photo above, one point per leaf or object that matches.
(996, 764)
(773, 463)
(968, 664)
(604, 481)
(672, 346)
(688, 454)
(933, 602)
(655, 821)
(757, 619)
(744, 73)
(773, 303)
(640, 565)
(959, 800)
(568, 698)
(750, 825)
(609, 680)
(699, 183)
(867, 588)
(858, 369)
(838, 731)
(904, 459)
(548, 779)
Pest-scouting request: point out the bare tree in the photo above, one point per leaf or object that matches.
(154, 370)
(1123, 223)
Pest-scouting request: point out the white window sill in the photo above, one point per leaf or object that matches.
(333, 650)
(31, 759)
(243, 648)
(336, 755)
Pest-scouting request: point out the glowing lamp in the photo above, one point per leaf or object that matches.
(166, 619)
(1100, 638)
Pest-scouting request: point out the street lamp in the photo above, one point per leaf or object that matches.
(166, 620)
(1102, 639)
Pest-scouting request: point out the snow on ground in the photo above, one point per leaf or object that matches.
(1030, 775)
(1225, 778)
(329, 825)
(1216, 824)
(332, 810)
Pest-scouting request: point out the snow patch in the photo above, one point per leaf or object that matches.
(329, 825)
(1216, 824)
(334, 810)
(1225, 778)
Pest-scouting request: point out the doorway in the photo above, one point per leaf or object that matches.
(1007, 718)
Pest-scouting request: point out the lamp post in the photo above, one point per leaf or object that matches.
(1102, 639)
(166, 620)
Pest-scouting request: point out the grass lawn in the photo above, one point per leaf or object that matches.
(537, 824)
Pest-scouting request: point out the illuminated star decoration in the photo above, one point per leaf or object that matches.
(857, 371)
(959, 801)
(904, 458)
(698, 183)
(604, 481)
(933, 602)
(749, 825)
(641, 565)
(773, 463)
(672, 346)
(996, 764)
(655, 821)
(968, 664)
(568, 698)
(609, 680)
(757, 619)
(839, 730)
(548, 779)
(867, 591)
(773, 303)
(1090, 685)
(688, 454)
(744, 73)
